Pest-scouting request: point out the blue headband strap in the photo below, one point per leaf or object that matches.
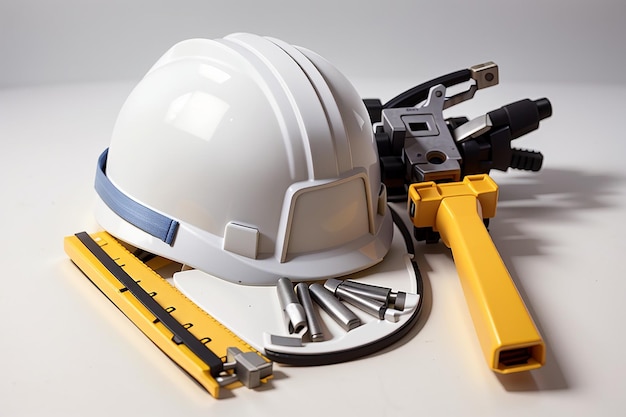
(138, 215)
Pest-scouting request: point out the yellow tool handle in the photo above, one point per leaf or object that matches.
(507, 334)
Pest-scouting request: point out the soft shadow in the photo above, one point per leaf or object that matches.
(554, 196)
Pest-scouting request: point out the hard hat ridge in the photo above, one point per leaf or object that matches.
(261, 152)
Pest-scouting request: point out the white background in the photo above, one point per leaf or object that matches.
(533, 40)
(66, 68)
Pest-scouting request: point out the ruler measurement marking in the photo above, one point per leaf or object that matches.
(180, 332)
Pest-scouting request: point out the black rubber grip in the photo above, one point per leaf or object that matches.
(526, 160)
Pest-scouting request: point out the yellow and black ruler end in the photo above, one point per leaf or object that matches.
(187, 334)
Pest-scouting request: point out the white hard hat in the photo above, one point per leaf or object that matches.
(249, 159)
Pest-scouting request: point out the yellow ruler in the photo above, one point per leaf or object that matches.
(198, 343)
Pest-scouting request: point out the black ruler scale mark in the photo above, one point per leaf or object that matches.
(181, 334)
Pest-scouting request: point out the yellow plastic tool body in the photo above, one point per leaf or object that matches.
(205, 328)
(508, 337)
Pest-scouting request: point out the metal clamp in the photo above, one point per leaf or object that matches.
(249, 368)
(421, 136)
(484, 76)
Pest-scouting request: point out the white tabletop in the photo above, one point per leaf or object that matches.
(66, 350)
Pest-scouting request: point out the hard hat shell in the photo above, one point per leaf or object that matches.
(260, 152)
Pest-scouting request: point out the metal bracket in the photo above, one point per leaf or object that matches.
(472, 129)
(484, 76)
(421, 136)
(249, 368)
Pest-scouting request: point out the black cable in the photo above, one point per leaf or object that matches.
(372, 347)
(410, 249)
(417, 94)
